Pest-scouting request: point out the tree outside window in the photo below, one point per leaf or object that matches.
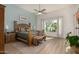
(51, 26)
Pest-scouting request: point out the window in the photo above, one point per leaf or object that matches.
(51, 26)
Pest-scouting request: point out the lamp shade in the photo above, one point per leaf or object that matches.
(7, 27)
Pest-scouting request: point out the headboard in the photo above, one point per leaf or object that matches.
(21, 26)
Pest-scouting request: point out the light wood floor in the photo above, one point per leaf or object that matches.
(50, 46)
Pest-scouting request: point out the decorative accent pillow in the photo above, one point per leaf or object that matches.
(40, 32)
(23, 30)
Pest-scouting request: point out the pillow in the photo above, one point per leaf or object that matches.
(22, 29)
(40, 32)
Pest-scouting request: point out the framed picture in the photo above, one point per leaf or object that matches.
(23, 17)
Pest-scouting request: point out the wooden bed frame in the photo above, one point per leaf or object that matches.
(17, 27)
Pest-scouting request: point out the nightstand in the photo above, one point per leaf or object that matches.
(10, 37)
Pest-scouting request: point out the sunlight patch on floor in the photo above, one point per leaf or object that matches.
(48, 38)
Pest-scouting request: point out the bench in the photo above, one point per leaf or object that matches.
(38, 39)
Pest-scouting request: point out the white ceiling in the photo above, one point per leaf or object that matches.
(48, 7)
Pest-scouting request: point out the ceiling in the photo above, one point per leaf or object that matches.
(48, 7)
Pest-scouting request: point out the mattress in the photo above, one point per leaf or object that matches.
(22, 35)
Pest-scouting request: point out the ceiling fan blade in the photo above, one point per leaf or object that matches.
(43, 10)
(36, 10)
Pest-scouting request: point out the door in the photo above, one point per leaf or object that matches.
(1, 42)
(1, 29)
(53, 27)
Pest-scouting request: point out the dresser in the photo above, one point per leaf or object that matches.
(10, 37)
(2, 7)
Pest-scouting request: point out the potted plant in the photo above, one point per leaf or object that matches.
(73, 41)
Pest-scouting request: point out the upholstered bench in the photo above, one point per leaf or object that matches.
(38, 39)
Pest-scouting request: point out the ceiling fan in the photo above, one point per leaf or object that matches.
(40, 11)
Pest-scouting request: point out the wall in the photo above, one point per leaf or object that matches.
(68, 18)
(12, 12)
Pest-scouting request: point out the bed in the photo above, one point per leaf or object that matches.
(23, 32)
